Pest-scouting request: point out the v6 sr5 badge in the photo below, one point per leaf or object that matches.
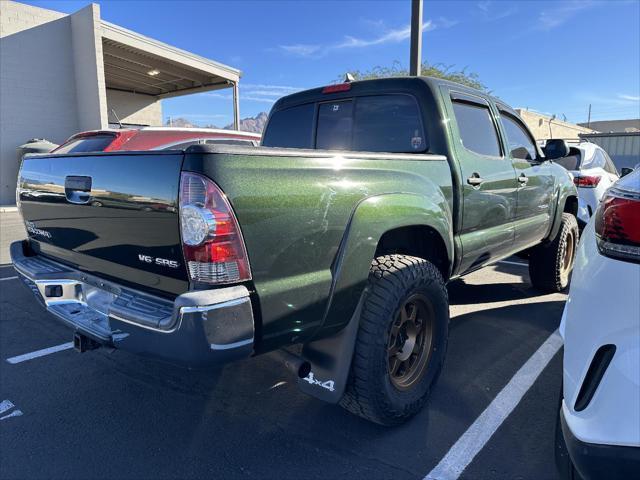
(162, 262)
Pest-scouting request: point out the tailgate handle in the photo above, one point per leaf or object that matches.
(77, 189)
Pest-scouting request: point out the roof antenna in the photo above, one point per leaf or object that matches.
(116, 115)
(348, 78)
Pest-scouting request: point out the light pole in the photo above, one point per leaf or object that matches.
(416, 38)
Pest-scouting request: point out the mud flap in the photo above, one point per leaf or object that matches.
(330, 360)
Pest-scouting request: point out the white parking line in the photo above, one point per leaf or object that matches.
(478, 434)
(16, 413)
(8, 278)
(39, 353)
(519, 264)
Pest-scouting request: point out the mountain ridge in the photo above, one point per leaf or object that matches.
(248, 124)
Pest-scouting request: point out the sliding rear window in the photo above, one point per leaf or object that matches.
(380, 123)
(92, 143)
(388, 123)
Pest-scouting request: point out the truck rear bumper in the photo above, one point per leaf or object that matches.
(197, 329)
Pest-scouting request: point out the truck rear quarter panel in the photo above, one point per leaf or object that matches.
(311, 225)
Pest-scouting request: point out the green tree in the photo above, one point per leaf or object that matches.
(437, 70)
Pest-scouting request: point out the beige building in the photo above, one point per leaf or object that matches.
(544, 127)
(61, 74)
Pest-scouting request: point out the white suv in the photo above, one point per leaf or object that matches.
(593, 173)
(600, 413)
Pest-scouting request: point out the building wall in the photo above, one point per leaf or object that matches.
(543, 127)
(37, 84)
(623, 148)
(134, 108)
(615, 126)
(15, 17)
(91, 97)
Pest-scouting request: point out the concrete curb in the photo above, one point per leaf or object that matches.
(8, 209)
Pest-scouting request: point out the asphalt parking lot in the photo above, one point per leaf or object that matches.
(108, 414)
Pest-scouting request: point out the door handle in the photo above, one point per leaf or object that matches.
(77, 189)
(475, 180)
(523, 179)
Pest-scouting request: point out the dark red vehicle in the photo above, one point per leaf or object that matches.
(153, 138)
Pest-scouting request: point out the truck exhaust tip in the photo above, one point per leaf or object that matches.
(295, 364)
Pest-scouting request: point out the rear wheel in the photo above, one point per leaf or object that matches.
(401, 341)
(551, 264)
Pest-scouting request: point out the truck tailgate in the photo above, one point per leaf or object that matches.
(113, 215)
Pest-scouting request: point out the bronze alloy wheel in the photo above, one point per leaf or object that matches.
(567, 258)
(410, 341)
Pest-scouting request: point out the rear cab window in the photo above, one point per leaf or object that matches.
(390, 123)
(91, 143)
(335, 125)
(291, 128)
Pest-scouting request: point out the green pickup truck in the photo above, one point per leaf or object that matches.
(332, 242)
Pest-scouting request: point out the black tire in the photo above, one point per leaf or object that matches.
(550, 264)
(372, 391)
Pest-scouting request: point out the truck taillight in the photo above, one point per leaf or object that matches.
(618, 226)
(211, 239)
(589, 181)
(340, 87)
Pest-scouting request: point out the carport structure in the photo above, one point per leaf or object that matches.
(62, 74)
(139, 65)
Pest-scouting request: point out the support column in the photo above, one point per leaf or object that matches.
(416, 38)
(236, 106)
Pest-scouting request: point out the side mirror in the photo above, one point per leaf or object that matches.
(625, 171)
(556, 148)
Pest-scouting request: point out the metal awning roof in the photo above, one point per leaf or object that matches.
(135, 63)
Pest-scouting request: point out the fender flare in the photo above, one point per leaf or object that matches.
(330, 355)
(565, 191)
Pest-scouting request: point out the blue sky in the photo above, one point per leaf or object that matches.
(551, 56)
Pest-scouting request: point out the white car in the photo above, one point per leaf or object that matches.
(593, 173)
(600, 412)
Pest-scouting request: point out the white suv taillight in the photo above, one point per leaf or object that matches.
(211, 239)
(618, 225)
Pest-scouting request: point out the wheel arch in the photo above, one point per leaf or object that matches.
(567, 202)
(381, 221)
(422, 241)
(571, 205)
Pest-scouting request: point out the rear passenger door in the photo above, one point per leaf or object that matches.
(536, 181)
(489, 186)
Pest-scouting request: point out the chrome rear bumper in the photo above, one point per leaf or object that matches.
(197, 329)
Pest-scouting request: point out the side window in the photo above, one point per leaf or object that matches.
(388, 123)
(335, 124)
(290, 128)
(520, 144)
(476, 127)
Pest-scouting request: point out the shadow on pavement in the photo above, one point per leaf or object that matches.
(462, 293)
(516, 270)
